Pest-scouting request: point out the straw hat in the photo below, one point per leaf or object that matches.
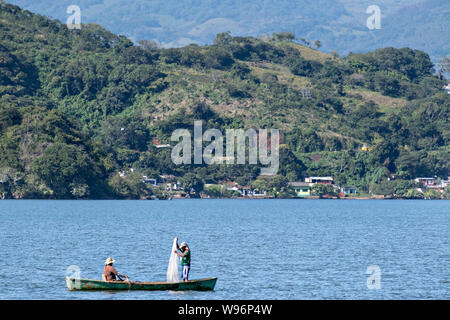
(109, 261)
(183, 245)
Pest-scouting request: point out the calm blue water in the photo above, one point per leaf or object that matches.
(259, 249)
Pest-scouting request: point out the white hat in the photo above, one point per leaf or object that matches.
(109, 261)
(183, 244)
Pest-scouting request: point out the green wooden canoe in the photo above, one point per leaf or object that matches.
(89, 284)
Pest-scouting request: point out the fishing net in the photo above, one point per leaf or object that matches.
(172, 269)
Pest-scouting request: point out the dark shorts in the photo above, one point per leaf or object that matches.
(185, 271)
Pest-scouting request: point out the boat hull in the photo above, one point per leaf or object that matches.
(89, 284)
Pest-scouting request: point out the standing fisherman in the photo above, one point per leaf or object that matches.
(185, 259)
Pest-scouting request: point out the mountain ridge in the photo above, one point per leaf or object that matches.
(339, 25)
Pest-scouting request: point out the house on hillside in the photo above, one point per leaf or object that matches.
(122, 174)
(321, 180)
(426, 181)
(432, 183)
(446, 182)
(162, 146)
(439, 188)
(231, 186)
(172, 186)
(244, 191)
(447, 88)
(150, 181)
(347, 191)
(302, 189)
(158, 145)
(168, 178)
(439, 185)
(258, 193)
(170, 182)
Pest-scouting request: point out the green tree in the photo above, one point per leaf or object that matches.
(130, 186)
(223, 39)
(393, 188)
(127, 132)
(192, 184)
(260, 184)
(218, 191)
(63, 167)
(283, 36)
(446, 194)
(323, 189)
(444, 66)
(432, 194)
(9, 115)
(414, 194)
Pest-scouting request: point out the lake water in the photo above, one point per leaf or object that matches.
(259, 249)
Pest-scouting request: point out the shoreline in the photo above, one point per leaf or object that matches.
(233, 198)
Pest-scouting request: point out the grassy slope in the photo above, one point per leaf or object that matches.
(190, 84)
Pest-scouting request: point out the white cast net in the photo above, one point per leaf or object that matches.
(172, 269)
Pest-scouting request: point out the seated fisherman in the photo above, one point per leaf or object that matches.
(110, 273)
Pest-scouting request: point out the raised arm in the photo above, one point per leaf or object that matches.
(178, 247)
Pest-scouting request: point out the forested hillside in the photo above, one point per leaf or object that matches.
(79, 106)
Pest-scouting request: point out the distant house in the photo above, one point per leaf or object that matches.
(426, 181)
(365, 148)
(231, 186)
(170, 182)
(258, 193)
(322, 180)
(439, 187)
(348, 190)
(306, 93)
(125, 173)
(157, 144)
(168, 178)
(447, 88)
(150, 181)
(302, 189)
(172, 186)
(122, 174)
(245, 191)
(161, 146)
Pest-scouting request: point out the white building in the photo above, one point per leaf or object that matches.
(447, 88)
(160, 146)
(322, 180)
(150, 181)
